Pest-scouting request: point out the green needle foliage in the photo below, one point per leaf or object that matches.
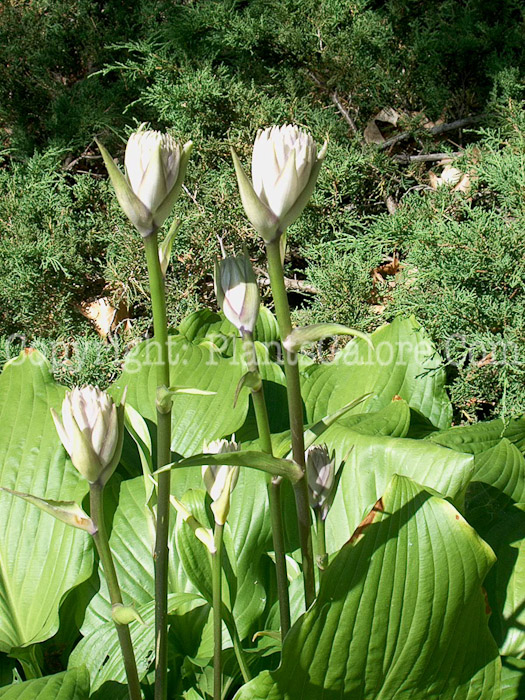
(215, 71)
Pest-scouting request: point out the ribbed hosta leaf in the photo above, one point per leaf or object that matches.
(513, 679)
(400, 613)
(482, 436)
(195, 365)
(100, 651)
(72, 685)
(371, 462)
(405, 364)
(393, 420)
(247, 539)
(205, 323)
(41, 559)
(506, 581)
(249, 523)
(132, 542)
(502, 467)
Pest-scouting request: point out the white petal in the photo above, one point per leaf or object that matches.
(64, 437)
(98, 433)
(111, 438)
(273, 181)
(284, 193)
(67, 416)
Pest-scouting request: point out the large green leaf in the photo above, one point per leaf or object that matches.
(193, 555)
(405, 364)
(247, 539)
(71, 685)
(372, 461)
(206, 324)
(502, 467)
(132, 541)
(513, 679)
(100, 650)
(197, 365)
(41, 559)
(480, 437)
(506, 582)
(400, 613)
(249, 523)
(393, 420)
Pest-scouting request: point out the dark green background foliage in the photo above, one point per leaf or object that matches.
(215, 71)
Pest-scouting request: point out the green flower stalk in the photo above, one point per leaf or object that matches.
(92, 431)
(274, 483)
(160, 327)
(155, 168)
(219, 481)
(238, 297)
(285, 167)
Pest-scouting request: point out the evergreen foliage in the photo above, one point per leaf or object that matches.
(217, 70)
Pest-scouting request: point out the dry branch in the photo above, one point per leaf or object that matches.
(426, 157)
(292, 284)
(433, 131)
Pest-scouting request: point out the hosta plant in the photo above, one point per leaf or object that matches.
(232, 520)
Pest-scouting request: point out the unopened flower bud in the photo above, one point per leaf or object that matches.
(91, 430)
(155, 167)
(124, 614)
(285, 166)
(220, 480)
(237, 291)
(320, 473)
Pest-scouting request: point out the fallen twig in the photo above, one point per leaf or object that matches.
(434, 130)
(293, 285)
(426, 157)
(344, 112)
(86, 155)
(335, 99)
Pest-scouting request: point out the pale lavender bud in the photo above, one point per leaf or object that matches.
(320, 473)
(237, 291)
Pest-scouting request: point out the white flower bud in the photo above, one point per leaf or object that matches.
(152, 166)
(91, 431)
(282, 162)
(220, 480)
(320, 473)
(155, 167)
(285, 166)
(237, 291)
